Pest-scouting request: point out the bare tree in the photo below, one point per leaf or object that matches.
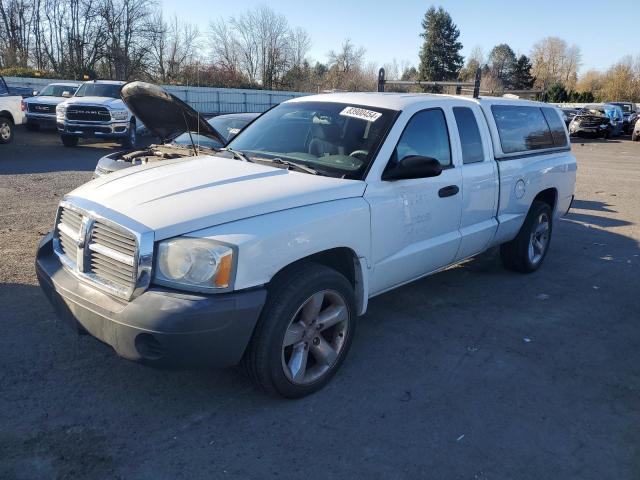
(173, 46)
(555, 62)
(16, 18)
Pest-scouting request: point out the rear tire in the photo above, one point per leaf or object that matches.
(69, 140)
(6, 130)
(527, 251)
(309, 319)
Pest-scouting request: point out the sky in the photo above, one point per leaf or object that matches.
(389, 29)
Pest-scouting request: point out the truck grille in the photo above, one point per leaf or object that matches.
(97, 250)
(41, 108)
(112, 254)
(88, 113)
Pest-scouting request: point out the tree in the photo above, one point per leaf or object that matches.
(522, 78)
(556, 94)
(440, 57)
(502, 63)
(475, 61)
(554, 61)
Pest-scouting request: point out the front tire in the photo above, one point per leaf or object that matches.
(527, 251)
(6, 130)
(304, 332)
(69, 140)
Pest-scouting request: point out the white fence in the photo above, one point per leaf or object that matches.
(207, 100)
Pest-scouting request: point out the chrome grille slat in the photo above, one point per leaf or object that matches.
(107, 231)
(100, 259)
(111, 254)
(114, 244)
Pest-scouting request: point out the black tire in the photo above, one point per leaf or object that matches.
(132, 137)
(515, 254)
(6, 130)
(69, 140)
(33, 127)
(263, 360)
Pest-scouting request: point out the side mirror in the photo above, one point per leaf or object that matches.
(66, 94)
(413, 166)
(35, 93)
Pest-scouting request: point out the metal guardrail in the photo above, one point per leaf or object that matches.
(206, 100)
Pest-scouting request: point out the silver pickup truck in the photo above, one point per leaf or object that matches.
(96, 111)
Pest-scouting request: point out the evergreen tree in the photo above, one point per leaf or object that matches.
(502, 62)
(522, 78)
(440, 57)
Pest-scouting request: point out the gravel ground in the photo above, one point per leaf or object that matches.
(474, 373)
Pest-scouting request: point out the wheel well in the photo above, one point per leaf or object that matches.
(341, 259)
(4, 113)
(548, 196)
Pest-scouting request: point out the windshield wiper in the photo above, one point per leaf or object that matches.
(238, 155)
(296, 165)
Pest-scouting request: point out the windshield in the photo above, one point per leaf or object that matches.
(99, 90)
(626, 107)
(57, 90)
(336, 138)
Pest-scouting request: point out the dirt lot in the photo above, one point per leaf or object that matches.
(475, 373)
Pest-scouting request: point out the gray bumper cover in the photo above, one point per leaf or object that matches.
(161, 326)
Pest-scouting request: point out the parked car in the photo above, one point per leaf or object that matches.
(614, 112)
(6, 90)
(267, 252)
(41, 108)
(568, 114)
(11, 114)
(207, 135)
(592, 120)
(630, 115)
(635, 133)
(96, 111)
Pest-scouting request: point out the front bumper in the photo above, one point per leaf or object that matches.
(41, 119)
(161, 326)
(94, 129)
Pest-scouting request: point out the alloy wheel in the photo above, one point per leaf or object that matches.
(539, 240)
(315, 337)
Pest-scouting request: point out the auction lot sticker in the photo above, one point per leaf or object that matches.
(361, 113)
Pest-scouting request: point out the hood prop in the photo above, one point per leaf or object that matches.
(193, 144)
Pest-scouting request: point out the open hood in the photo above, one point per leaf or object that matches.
(165, 115)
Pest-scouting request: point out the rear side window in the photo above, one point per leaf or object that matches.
(521, 128)
(558, 132)
(470, 138)
(426, 135)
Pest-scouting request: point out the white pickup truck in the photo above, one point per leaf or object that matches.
(11, 113)
(266, 253)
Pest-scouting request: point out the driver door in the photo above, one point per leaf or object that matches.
(415, 222)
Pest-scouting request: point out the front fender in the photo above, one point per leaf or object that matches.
(268, 243)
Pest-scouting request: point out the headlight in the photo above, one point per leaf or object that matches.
(61, 109)
(197, 264)
(119, 114)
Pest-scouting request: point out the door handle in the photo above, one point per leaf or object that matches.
(449, 191)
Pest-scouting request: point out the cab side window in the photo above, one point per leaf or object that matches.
(426, 135)
(470, 138)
